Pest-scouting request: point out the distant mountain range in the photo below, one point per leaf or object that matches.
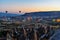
(8, 14)
(47, 13)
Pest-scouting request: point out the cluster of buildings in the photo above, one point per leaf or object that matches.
(29, 21)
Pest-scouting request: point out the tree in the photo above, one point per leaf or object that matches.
(19, 11)
(6, 11)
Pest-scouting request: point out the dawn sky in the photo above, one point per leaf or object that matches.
(29, 5)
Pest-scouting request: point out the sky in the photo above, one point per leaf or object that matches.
(29, 5)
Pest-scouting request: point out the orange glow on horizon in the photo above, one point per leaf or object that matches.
(31, 9)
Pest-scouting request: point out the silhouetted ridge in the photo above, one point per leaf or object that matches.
(49, 13)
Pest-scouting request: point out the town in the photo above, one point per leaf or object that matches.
(29, 26)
